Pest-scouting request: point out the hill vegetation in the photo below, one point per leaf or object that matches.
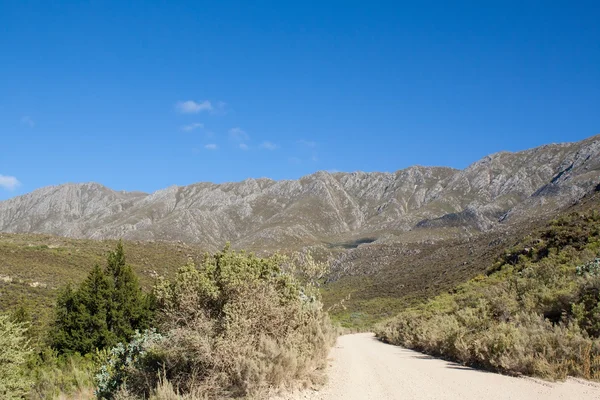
(460, 264)
(33, 268)
(534, 311)
(233, 325)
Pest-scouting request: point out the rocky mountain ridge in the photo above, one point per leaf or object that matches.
(413, 204)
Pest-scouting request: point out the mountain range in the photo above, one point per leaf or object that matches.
(410, 205)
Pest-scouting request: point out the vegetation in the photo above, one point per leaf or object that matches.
(233, 326)
(14, 352)
(107, 308)
(35, 268)
(61, 376)
(535, 311)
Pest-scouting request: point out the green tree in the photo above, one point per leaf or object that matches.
(107, 308)
(130, 309)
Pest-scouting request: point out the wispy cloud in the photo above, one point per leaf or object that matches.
(307, 143)
(269, 145)
(192, 107)
(191, 127)
(297, 160)
(211, 146)
(244, 146)
(220, 108)
(9, 182)
(195, 107)
(238, 135)
(27, 120)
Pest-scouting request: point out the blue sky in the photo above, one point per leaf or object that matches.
(143, 95)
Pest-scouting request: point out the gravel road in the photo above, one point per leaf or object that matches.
(361, 367)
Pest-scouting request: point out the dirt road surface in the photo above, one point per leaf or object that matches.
(361, 367)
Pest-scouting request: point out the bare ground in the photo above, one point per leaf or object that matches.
(361, 367)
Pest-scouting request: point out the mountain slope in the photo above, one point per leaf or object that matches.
(324, 207)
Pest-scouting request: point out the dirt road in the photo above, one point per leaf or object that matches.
(363, 368)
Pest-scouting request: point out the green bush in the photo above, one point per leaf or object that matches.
(236, 325)
(536, 313)
(14, 352)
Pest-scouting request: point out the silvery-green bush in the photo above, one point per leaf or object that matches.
(589, 268)
(120, 360)
(14, 351)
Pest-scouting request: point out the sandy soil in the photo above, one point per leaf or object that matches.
(361, 367)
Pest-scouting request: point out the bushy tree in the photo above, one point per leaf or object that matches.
(107, 308)
(236, 324)
(14, 350)
(129, 308)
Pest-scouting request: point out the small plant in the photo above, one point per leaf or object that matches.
(589, 268)
(118, 361)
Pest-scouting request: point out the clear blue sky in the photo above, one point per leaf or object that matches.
(140, 96)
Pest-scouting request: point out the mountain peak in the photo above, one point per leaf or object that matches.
(321, 206)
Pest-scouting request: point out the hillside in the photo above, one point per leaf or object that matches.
(411, 205)
(391, 239)
(532, 311)
(33, 267)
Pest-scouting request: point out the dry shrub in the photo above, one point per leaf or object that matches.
(236, 326)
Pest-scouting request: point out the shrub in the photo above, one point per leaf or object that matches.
(237, 325)
(119, 361)
(536, 313)
(14, 351)
(591, 268)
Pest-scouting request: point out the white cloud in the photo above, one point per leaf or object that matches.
(191, 127)
(211, 146)
(243, 146)
(192, 107)
(27, 120)
(9, 182)
(238, 134)
(269, 145)
(307, 143)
